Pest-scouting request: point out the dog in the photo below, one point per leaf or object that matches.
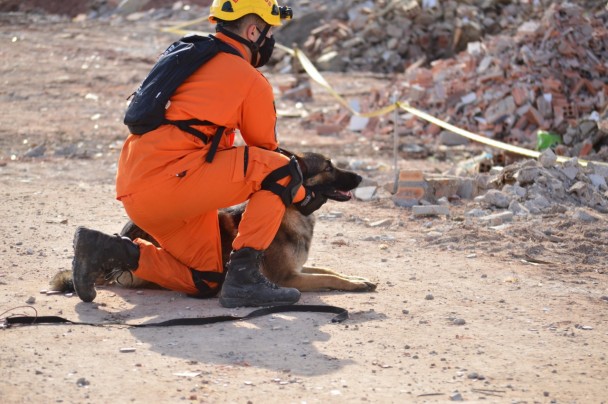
(283, 261)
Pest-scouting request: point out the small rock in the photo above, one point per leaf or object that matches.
(452, 139)
(31, 300)
(37, 151)
(548, 158)
(380, 223)
(570, 171)
(582, 215)
(365, 193)
(430, 210)
(496, 198)
(518, 209)
(82, 382)
(598, 181)
(459, 321)
(497, 218)
(527, 175)
(432, 235)
(476, 213)
(456, 396)
(429, 297)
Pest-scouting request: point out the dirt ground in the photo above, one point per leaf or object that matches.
(461, 311)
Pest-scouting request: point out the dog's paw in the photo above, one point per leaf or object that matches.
(364, 286)
(370, 286)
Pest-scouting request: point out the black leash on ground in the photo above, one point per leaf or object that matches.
(341, 315)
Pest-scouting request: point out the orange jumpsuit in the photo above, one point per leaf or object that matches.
(169, 190)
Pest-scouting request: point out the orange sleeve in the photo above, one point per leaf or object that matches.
(259, 116)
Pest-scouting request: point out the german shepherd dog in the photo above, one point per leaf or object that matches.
(283, 261)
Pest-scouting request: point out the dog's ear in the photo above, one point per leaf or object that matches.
(298, 157)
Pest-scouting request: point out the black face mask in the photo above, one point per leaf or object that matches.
(265, 52)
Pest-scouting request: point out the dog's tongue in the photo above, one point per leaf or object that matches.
(346, 193)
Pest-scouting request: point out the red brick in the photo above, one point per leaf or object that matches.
(551, 85)
(586, 149)
(520, 95)
(535, 117)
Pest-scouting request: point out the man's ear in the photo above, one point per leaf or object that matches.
(250, 33)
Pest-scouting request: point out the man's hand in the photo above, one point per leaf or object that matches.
(311, 202)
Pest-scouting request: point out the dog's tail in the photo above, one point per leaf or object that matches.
(62, 282)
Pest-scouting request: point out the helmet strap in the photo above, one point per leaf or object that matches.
(253, 46)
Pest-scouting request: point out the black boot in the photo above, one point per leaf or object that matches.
(246, 286)
(97, 254)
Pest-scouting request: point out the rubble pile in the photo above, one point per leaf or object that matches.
(521, 189)
(387, 36)
(549, 76)
(531, 187)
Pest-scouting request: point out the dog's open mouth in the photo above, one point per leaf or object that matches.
(337, 195)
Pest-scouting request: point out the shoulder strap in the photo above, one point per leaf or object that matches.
(186, 125)
(146, 110)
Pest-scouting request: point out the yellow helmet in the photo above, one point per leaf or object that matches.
(230, 10)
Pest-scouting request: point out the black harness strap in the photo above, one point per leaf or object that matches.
(187, 126)
(201, 279)
(341, 315)
(215, 143)
(286, 193)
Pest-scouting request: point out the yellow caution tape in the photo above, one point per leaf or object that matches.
(179, 28)
(314, 74)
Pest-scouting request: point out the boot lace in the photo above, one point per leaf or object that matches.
(260, 278)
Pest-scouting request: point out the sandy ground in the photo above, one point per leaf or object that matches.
(458, 313)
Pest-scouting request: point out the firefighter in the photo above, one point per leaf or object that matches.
(169, 189)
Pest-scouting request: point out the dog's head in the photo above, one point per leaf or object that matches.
(320, 175)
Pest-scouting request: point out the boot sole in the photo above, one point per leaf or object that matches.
(78, 273)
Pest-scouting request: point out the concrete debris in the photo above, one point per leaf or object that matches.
(526, 187)
(548, 158)
(367, 193)
(497, 219)
(430, 210)
(583, 215)
(522, 188)
(494, 198)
